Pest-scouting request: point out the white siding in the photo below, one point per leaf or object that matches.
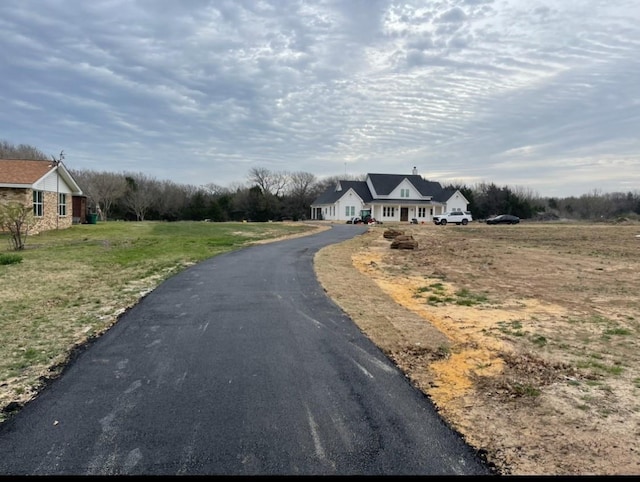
(52, 183)
(329, 212)
(405, 185)
(351, 200)
(456, 202)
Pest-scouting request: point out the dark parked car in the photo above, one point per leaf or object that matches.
(504, 219)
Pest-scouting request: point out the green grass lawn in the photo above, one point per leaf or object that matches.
(71, 285)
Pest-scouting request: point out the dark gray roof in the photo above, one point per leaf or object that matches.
(444, 195)
(331, 195)
(384, 184)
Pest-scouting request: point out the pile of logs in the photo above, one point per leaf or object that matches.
(400, 240)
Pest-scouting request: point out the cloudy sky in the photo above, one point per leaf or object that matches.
(537, 94)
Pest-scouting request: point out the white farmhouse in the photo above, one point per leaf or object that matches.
(388, 198)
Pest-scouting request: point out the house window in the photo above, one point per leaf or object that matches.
(62, 204)
(388, 212)
(422, 212)
(404, 193)
(38, 203)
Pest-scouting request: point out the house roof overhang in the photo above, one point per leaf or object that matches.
(66, 175)
(26, 173)
(15, 186)
(404, 202)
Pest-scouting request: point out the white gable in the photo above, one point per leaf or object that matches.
(457, 202)
(405, 190)
(351, 198)
(52, 182)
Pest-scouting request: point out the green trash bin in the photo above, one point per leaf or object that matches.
(92, 218)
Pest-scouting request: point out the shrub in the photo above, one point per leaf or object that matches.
(17, 219)
(10, 259)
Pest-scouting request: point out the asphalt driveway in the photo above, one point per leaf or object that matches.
(240, 365)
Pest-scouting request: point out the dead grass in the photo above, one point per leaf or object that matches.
(525, 337)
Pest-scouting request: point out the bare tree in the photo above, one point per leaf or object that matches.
(20, 151)
(301, 192)
(525, 193)
(270, 182)
(141, 193)
(103, 189)
(328, 182)
(300, 183)
(594, 205)
(17, 219)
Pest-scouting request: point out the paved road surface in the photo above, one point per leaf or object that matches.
(240, 365)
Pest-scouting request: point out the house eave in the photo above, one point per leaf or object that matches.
(16, 186)
(62, 171)
(411, 202)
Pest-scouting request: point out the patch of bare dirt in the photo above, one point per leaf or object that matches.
(525, 337)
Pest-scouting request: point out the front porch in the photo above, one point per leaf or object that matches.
(392, 211)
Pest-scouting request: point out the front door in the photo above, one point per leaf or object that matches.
(404, 214)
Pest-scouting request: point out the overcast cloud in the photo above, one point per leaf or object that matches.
(543, 95)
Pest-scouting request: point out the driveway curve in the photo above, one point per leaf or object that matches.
(240, 365)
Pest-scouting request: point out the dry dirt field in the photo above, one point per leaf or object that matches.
(525, 337)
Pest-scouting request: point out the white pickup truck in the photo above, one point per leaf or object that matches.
(457, 217)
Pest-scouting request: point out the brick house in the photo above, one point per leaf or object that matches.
(46, 185)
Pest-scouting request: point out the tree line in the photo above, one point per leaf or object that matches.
(268, 195)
